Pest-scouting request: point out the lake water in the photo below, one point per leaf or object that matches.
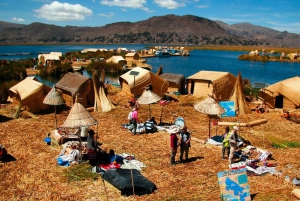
(211, 60)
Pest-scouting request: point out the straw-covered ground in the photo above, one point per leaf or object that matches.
(35, 174)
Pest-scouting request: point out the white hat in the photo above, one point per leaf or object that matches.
(235, 128)
(173, 130)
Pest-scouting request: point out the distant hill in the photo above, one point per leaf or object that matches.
(271, 36)
(168, 29)
(4, 25)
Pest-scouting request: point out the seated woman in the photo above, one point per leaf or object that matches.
(150, 125)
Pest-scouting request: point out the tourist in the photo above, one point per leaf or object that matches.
(135, 119)
(185, 143)
(173, 144)
(233, 138)
(225, 142)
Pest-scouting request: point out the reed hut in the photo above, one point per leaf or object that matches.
(30, 93)
(73, 84)
(131, 57)
(135, 84)
(176, 82)
(116, 60)
(284, 94)
(218, 84)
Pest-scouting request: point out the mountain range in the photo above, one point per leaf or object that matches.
(168, 29)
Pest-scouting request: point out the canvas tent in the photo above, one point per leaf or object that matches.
(73, 84)
(32, 94)
(130, 84)
(284, 94)
(217, 84)
(176, 82)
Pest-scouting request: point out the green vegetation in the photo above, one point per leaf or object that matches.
(14, 69)
(79, 172)
(281, 143)
(55, 69)
(102, 65)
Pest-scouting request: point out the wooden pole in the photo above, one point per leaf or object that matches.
(209, 126)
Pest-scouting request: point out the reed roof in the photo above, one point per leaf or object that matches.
(72, 82)
(175, 78)
(289, 88)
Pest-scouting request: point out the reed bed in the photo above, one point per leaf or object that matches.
(35, 174)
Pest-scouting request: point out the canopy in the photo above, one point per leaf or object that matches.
(209, 106)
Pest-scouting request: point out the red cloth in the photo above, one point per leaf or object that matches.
(110, 166)
(174, 141)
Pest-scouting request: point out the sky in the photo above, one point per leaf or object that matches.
(280, 15)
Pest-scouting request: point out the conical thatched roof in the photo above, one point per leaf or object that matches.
(238, 97)
(79, 117)
(209, 106)
(54, 97)
(148, 97)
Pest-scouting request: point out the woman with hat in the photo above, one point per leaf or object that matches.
(173, 144)
(92, 146)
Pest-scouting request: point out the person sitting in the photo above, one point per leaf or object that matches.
(286, 114)
(92, 146)
(3, 153)
(150, 125)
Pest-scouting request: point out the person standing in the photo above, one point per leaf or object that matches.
(225, 142)
(185, 138)
(173, 144)
(135, 119)
(232, 143)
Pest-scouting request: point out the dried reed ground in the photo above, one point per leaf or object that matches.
(36, 176)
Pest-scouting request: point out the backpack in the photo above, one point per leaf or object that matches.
(130, 116)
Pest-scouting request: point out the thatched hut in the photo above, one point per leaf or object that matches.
(284, 94)
(31, 93)
(116, 60)
(135, 84)
(131, 57)
(73, 84)
(176, 82)
(217, 84)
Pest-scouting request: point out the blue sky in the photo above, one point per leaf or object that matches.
(276, 14)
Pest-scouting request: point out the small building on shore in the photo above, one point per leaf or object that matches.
(31, 93)
(176, 82)
(284, 94)
(73, 84)
(218, 84)
(136, 80)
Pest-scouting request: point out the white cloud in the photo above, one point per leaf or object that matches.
(62, 12)
(169, 4)
(202, 6)
(109, 15)
(17, 19)
(136, 4)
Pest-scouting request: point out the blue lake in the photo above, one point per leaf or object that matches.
(211, 60)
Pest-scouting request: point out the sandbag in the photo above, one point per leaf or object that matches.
(121, 179)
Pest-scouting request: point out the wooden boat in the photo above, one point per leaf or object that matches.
(160, 53)
(77, 68)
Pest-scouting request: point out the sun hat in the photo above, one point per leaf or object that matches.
(235, 128)
(173, 130)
